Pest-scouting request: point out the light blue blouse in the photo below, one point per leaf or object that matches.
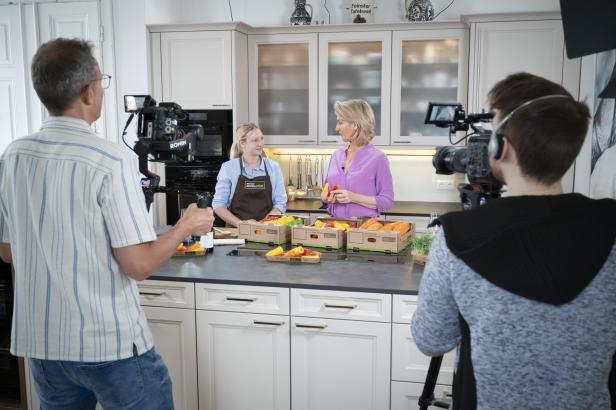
(230, 172)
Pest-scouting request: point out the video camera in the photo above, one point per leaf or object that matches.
(472, 160)
(163, 131)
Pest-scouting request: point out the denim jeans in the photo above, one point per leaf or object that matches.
(137, 383)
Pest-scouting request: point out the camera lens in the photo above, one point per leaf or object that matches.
(448, 160)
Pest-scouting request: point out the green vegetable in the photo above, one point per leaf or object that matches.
(422, 243)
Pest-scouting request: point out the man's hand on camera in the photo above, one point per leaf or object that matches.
(198, 220)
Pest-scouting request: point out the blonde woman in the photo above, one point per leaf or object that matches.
(359, 177)
(250, 186)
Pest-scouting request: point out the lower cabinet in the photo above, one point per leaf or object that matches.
(173, 331)
(339, 364)
(243, 361)
(405, 396)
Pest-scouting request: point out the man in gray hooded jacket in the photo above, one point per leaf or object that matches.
(525, 286)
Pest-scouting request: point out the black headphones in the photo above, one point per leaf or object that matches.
(495, 146)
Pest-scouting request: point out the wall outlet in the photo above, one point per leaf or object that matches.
(445, 184)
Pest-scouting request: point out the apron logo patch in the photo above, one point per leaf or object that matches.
(254, 184)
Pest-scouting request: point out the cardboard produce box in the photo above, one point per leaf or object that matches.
(323, 237)
(264, 233)
(359, 239)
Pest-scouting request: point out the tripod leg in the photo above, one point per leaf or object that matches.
(427, 396)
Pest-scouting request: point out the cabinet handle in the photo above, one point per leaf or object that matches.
(333, 306)
(311, 326)
(221, 105)
(447, 395)
(307, 141)
(401, 142)
(260, 322)
(329, 142)
(151, 293)
(233, 299)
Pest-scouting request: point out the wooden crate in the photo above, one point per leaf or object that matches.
(379, 241)
(328, 238)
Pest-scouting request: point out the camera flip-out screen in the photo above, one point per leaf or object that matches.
(442, 113)
(134, 103)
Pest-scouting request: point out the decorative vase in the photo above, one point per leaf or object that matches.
(300, 15)
(419, 10)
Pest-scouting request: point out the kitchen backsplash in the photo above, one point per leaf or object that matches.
(412, 171)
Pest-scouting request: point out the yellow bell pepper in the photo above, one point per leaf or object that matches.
(275, 252)
(297, 251)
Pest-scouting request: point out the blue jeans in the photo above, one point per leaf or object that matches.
(137, 383)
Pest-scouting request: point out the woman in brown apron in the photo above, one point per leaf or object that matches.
(250, 186)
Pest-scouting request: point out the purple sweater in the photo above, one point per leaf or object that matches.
(369, 175)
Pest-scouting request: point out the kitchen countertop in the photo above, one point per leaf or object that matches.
(400, 207)
(353, 276)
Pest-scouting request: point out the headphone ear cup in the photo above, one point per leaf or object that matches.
(495, 146)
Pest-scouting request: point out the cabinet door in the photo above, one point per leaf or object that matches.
(502, 48)
(174, 334)
(283, 87)
(339, 364)
(354, 65)
(427, 65)
(13, 114)
(74, 20)
(196, 69)
(243, 361)
(405, 396)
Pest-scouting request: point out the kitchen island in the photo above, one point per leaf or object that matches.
(220, 267)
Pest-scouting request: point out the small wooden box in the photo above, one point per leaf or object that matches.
(379, 241)
(329, 238)
(264, 233)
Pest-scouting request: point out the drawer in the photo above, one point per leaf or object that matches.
(374, 307)
(404, 307)
(238, 298)
(405, 396)
(164, 293)
(408, 364)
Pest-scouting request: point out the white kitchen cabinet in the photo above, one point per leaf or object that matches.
(427, 65)
(339, 364)
(175, 340)
(405, 396)
(331, 304)
(499, 48)
(196, 69)
(354, 65)
(244, 361)
(283, 87)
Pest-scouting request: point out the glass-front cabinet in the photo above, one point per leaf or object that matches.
(283, 87)
(351, 66)
(427, 65)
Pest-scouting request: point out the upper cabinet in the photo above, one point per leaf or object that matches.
(283, 87)
(351, 66)
(500, 48)
(189, 76)
(201, 67)
(427, 65)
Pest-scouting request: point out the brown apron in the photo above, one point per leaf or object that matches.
(252, 198)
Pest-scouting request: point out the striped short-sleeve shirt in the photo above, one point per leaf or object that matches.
(67, 198)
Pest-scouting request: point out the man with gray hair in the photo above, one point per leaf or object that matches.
(74, 224)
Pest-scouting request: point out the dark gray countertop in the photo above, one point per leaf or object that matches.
(256, 271)
(400, 207)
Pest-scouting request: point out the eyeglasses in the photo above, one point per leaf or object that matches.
(105, 80)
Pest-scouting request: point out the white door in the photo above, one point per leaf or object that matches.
(196, 69)
(283, 87)
(354, 65)
(243, 361)
(73, 20)
(339, 364)
(174, 336)
(502, 48)
(13, 112)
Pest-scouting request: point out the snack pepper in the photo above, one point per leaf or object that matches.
(275, 252)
